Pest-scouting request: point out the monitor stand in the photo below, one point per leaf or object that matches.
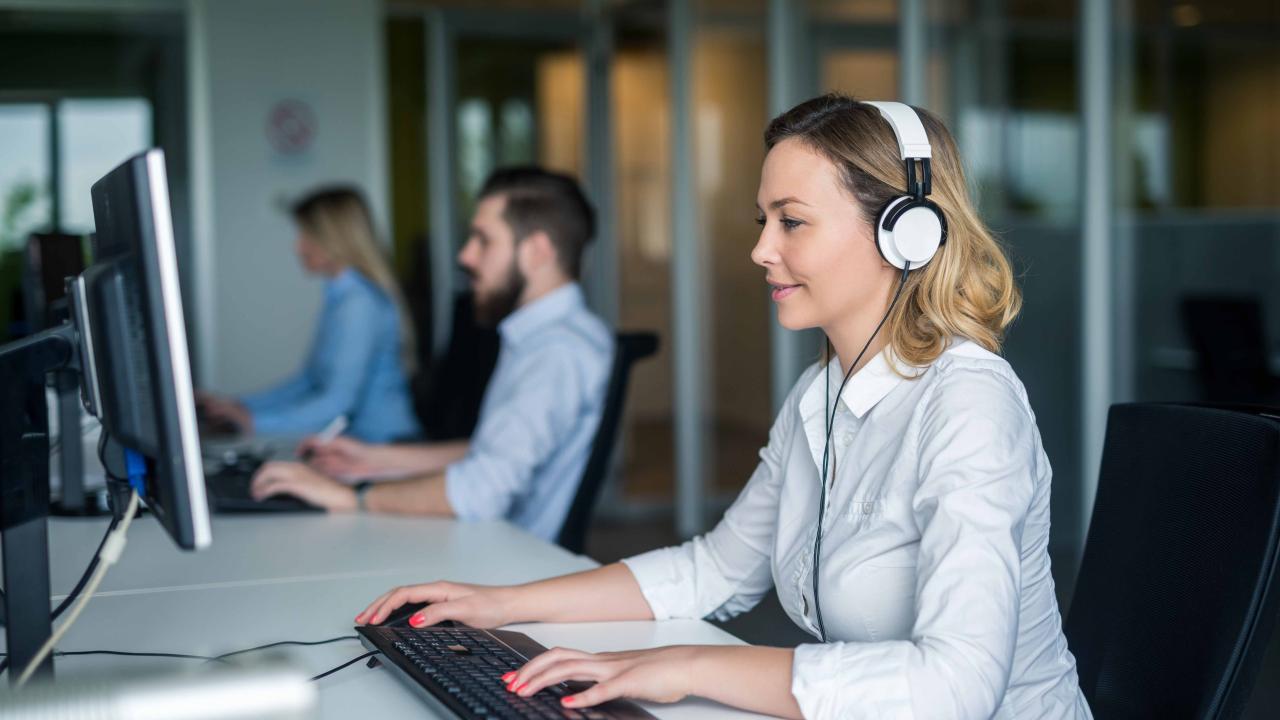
(24, 489)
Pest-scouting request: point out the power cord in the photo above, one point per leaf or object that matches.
(223, 658)
(345, 665)
(306, 643)
(88, 571)
(112, 547)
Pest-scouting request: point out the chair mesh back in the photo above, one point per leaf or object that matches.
(631, 347)
(1172, 607)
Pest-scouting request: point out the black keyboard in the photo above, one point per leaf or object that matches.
(228, 492)
(460, 670)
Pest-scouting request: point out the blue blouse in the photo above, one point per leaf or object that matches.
(353, 368)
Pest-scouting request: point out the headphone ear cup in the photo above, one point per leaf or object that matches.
(909, 230)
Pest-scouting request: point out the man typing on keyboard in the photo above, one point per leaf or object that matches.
(542, 404)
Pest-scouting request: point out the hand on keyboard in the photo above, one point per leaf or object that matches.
(659, 675)
(478, 606)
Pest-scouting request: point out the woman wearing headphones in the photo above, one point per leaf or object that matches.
(901, 506)
(364, 344)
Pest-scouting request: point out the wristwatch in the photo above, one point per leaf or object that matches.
(362, 489)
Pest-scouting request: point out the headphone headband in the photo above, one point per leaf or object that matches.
(910, 228)
(913, 143)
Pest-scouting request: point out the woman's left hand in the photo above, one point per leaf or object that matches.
(660, 675)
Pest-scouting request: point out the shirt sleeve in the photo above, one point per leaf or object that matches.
(519, 432)
(977, 480)
(343, 366)
(728, 570)
(289, 391)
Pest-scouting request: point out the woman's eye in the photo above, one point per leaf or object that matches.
(790, 224)
(760, 221)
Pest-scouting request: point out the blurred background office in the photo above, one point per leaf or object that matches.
(1126, 152)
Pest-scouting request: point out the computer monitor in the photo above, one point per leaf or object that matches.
(49, 261)
(138, 342)
(127, 338)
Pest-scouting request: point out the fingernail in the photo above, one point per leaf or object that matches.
(523, 685)
(359, 617)
(508, 676)
(567, 700)
(417, 620)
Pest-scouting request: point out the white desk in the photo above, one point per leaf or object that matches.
(281, 547)
(304, 577)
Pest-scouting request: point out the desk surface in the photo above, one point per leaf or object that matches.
(304, 577)
(284, 547)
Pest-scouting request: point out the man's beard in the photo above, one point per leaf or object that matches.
(492, 308)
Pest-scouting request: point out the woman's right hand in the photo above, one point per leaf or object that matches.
(479, 606)
(341, 457)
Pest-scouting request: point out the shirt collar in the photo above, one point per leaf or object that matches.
(550, 307)
(346, 278)
(866, 388)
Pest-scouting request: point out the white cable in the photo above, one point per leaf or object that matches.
(110, 553)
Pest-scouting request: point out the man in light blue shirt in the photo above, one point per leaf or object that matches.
(544, 401)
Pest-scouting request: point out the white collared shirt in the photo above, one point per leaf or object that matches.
(936, 590)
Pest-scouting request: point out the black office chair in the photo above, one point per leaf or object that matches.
(447, 399)
(632, 347)
(1175, 599)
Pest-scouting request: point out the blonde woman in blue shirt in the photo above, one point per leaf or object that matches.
(364, 347)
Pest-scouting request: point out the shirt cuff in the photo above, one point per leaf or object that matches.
(460, 491)
(657, 572)
(266, 422)
(839, 680)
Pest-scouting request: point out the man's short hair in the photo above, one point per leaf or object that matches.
(539, 199)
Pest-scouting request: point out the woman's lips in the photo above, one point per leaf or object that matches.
(781, 292)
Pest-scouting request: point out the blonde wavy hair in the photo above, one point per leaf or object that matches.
(338, 220)
(968, 289)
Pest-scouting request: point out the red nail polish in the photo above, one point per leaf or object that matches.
(509, 675)
(523, 685)
(567, 700)
(417, 620)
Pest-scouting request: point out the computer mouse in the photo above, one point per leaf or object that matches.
(400, 616)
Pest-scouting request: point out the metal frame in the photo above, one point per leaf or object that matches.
(788, 85)
(442, 190)
(1097, 263)
(686, 270)
(600, 273)
(912, 51)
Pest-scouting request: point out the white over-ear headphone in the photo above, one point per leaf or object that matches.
(910, 228)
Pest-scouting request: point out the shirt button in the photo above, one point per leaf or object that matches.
(846, 438)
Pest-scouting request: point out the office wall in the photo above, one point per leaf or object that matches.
(255, 308)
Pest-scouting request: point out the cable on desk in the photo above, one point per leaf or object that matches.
(110, 553)
(344, 665)
(88, 572)
(305, 643)
(4, 663)
(84, 578)
(127, 653)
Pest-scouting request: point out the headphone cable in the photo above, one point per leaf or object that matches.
(826, 445)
